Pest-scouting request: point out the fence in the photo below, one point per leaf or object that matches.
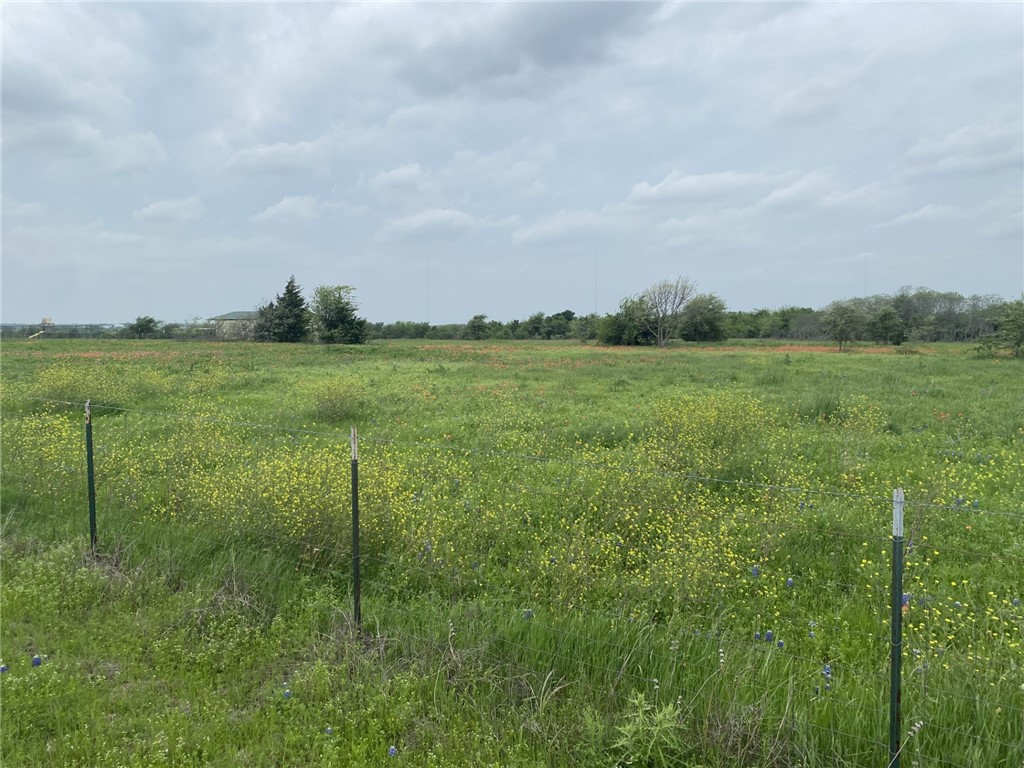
(715, 597)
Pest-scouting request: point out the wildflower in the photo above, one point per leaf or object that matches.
(328, 730)
(1016, 602)
(827, 671)
(957, 604)
(527, 614)
(780, 644)
(811, 634)
(392, 751)
(757, 635)
(756, 571)
(287, 693)
(789, 583)
(3, 668)
(906, 598)
(769, 636)
(36, 661)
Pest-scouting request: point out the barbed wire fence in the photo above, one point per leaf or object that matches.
(692, 652)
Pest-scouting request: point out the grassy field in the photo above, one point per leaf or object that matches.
(570, 555)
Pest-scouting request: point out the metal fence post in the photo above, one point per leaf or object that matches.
(355, 528)
(91, 475)
(896, 644)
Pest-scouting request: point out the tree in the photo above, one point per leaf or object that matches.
(842, 322)
(628, 326)
(476, 328)
(703, 319)
(144, 327)
(1011, 327)
(286, 318)
(886, 327)
(334, 319)
(665, 301)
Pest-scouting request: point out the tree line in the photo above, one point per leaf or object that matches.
(667, 310)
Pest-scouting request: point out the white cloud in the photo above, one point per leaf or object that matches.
(808, 189)
(298, 207)
(186, 209)
(431, 224)
(924, 213)
(283, 158)
(18, 211)
(569, 225)
(970, 149)
(678, 186)
(401, 180)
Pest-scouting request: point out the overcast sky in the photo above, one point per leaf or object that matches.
(182, 160)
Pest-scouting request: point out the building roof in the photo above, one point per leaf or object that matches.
(250, 315)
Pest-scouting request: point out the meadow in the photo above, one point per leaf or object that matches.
(570, 555)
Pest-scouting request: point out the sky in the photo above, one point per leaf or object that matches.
(182, 160)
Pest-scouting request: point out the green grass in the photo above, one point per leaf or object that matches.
(567, 552)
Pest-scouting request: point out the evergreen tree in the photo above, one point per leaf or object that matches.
(284, 319)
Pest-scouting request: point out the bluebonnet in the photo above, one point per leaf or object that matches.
(287, 693)
(757, 635)
(780, 644)
(36, 661)
(906, 598)
(3, 668)
(392, 751)
(789, 582)
(328, 730)
(769, 635)
(756, 570)
(527, 614)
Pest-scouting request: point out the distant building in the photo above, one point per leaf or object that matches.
(234, 326)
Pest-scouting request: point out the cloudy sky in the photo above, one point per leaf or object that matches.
(182, 160)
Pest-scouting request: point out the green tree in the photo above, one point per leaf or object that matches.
(703, 319)
(629, 326)
(476, 328)
(334, 319)
(284, 319)
(886, 327)
(1011, 327)
(144, 327)
(842, 322)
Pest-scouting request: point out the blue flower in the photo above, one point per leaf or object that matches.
(827, 671)
(789, 583)
(756, 570)
(527, 614)
(1016, 602)
(957, 604)
(769, 635)
(3, 668)
(811, 634)
(287, 693)
(780, 643)
(757, 635)
(392, 751)
(36, 661)
(906, 598)
(328, 730)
